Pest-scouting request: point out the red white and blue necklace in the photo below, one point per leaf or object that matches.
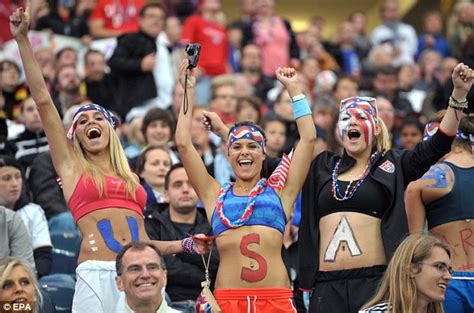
(256, 190)
(351, 189)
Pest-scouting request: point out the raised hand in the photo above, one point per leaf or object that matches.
(289, 78)
(20, 21)
(463, 77)
(183, 69)
(213, 122)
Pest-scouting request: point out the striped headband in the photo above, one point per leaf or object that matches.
(367, 104)
(246, 132)
(113, 120)
(432, 127)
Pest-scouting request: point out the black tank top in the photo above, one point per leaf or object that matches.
(372, 198)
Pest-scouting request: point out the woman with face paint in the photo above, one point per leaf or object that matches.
(104, 196)
(443, 199)
(249, 216)
(353, 214)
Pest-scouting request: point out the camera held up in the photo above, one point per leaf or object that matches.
(192, 52)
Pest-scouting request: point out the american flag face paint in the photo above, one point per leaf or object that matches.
(246, 132)
(361, 111)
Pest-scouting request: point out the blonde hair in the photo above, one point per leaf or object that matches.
(118, 160)
(383, 142)
(397, 286)
(6, 266)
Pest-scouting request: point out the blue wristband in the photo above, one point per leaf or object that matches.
(301, 108)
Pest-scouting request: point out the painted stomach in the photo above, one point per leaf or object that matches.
(350, 240)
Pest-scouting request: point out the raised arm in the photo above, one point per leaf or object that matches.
(206, 187)
(302, 155)
(61, 152)
(462, 77)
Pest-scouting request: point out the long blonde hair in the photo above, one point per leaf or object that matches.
(383, 142)
(118, 160)
(397, 286)
(6, 266)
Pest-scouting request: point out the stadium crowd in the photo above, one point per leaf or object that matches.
(116, 169)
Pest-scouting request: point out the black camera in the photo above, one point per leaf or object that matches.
(192, 52)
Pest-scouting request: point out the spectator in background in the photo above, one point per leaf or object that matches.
(283, 110)
(345, 87)
(416, 278)
(205, 28)
(235, 36)
(359, 24)
(429, 64)
(275, 38)
(67, 86)
(251, 68)
(248, 109)
(69, 18)
(345, 50)
(400, 36)
(31, 213)
(140, 263)
(16, 240)
(464, 15)
(33, 140)
(410, 133)
(223, 98)
(111, 18)
(66, 56)
(174, 222)
(386, 84)
(152, 165)
(45, 59)
(432, 38)
(387, 114)
(99, 85)
(133, 63)
(310, 69)
(275, 130)
(13, 92)
(200, 139)
(19, 284)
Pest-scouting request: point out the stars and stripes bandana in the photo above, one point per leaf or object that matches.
(112, 119)
(246, 132)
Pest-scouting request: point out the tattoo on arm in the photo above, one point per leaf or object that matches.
(343, 233)
(250, 274)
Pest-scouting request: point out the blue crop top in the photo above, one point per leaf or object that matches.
(268, 211)
(457, 204)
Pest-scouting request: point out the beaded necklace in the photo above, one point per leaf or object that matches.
(349, 193)
(256, 190)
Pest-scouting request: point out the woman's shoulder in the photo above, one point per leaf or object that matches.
(378, 308)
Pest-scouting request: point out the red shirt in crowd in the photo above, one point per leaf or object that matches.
(119, 15)
(7, 7)
(214, 45)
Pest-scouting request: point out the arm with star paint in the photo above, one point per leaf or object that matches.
(433, 185)
(61, 151)
(302, 156)
(207, 188)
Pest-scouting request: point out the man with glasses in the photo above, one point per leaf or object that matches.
(141, 275)
(223, 98)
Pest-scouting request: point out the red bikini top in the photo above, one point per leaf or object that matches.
(85, 197)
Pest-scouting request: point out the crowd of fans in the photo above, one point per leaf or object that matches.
(408, 73)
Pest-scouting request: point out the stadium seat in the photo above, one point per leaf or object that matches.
(66, 246)
(60, 288)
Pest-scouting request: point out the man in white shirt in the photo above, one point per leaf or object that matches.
(141, 275)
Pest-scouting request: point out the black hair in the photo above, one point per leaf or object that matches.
(411, 121)
(60, 52)
(172, 169)
(152, 5)
(157, 114)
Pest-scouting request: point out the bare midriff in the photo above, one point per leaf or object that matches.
(460, 237)
(94, 246)
(250, 257)
(350, 240)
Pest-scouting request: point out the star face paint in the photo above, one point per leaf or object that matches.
(360, 111)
